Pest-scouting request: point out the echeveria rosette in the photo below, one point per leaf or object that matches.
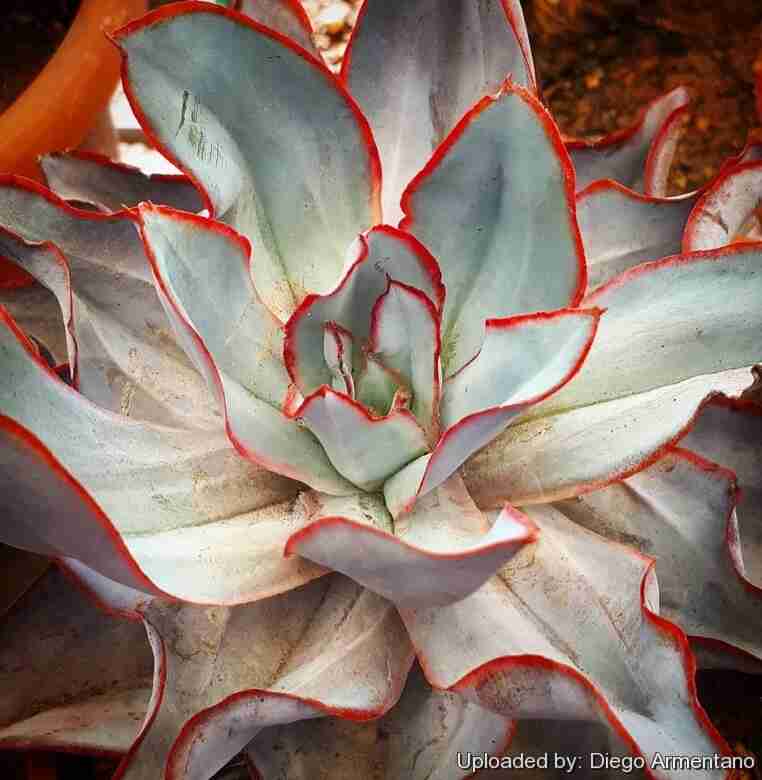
(271, 405)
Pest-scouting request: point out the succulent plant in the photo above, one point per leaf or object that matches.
(381, 497)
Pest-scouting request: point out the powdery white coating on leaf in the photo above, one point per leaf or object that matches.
(204, 479)
(405, 340)
(682, 512)
(150, 481)
(584, 449)
(199, 266)
(56, 515)
(110, 596)
(286, 16)
(495, 206)
(102, 724)
(621, 228)
(560, 631)
(49, 268)
(365, 450)
(232, 560)
(567, 631)
(239, 354)
(419, 739)
(290, 163)
(36, 311)
(327, 648)
(440, 552)
(376, 387)
(416, 66)
(521, 360)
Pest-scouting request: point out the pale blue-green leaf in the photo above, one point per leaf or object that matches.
(62, 454)
(568, 630)
(667, 322)
(727, 210)
(416, 66)
(200, 264)
(325, 649)
(729, 433)
(573, 452)
(365, 450)
(621, 228)
(71, 677)
(285, 16)
(204, 268)
(291, 142)
(418, 739)
(405, 340)
(127, 358)
(495, 205)
(681, 511)
(523, 360)
(111, 186)
(375, 387)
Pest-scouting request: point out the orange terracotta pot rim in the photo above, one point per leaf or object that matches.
(59, 106)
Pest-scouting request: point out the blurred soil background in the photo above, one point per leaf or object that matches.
(599, 63)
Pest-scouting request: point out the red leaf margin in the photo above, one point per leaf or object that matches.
(710, 190)
(32, 444)
(669, 127)
(71, 367)
(11, 276)
(671, 633)
(532, 533)
(424, 257)
(236, 238)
